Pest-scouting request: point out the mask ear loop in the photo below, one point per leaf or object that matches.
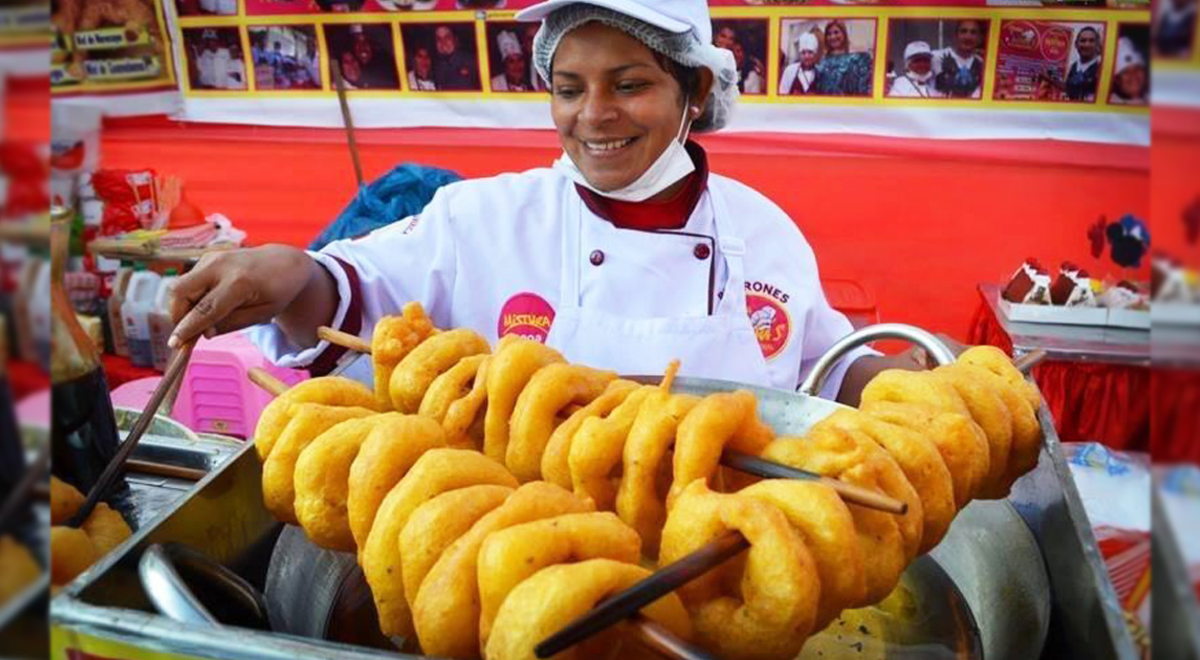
(685, 125)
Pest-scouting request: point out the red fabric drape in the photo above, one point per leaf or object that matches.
(1090, 402)
(1175, 415)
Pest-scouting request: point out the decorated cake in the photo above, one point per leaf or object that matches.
(1125, 295)
(1073, 287)
(1170, 282)
(1030, 285)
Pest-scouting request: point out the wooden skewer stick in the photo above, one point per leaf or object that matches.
(1027, 362)
(263, 378)
(163, 470)
(754, 465)
(347, 122)
(662, 641)
(658, 584)
(114, 468)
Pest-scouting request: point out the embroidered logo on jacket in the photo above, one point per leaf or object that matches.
(526, 315)
(767, 308)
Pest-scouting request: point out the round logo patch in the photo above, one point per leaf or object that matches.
(526, 315)
(772, 325)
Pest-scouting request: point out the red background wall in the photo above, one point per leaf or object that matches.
(919, 222)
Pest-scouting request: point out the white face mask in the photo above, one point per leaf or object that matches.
(672, 165)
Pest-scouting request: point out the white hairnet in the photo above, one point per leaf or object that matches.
(683, 48)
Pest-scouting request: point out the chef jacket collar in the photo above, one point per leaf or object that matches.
(650, 216)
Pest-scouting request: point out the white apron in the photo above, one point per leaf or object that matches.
(721, 345)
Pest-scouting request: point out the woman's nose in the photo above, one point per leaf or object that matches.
(598, 108)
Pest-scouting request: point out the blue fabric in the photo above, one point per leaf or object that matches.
(404, 191)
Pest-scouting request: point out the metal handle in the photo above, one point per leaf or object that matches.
(936, 349)
(171, 595)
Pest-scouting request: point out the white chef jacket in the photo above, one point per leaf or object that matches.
(490, 255)
(906, 87)
(792, 76)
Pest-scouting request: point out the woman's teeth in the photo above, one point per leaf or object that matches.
(607, 146)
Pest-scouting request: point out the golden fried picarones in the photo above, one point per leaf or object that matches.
(646, 465)
(556, 467)
(393, 338)
(535, 414)
(322, 477)
(308, 421)
(718, 421)
(431, 358)
(921, 463)
(106, 528)
(328, 391)
(597, 448)
(387, 454)
(65, 500)
(18, 569)
(71, 553)
(510, 556)
(998, 362)
(763, 606)
(512, 365)
(557, 595)
(436, 472)
(446, 611)
(990, 413)
(452, 385)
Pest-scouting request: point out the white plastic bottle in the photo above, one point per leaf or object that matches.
(159, 321)
(120, 286)
(135, 313)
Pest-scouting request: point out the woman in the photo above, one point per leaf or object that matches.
(626, 254)
(800, 77)
(841, 72)
(1130, 84)
(420, 78)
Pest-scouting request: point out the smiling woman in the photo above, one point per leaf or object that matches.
(628, 248)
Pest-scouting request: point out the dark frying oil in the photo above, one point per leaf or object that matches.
(924, 617)
(83, 429)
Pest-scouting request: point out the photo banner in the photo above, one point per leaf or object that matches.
(957, 69)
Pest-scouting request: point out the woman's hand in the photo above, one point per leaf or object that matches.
(235, 289)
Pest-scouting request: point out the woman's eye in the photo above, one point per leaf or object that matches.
(631, 87)
(566, 92)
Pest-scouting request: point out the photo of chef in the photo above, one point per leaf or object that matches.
(365, 54)
(747, 40)
(441, 57)
(1131, 70)
(1049, 61)
(284, 7)
(936, 58)
(285, 57)
(510, 63)
(215, 59)
(480, 4)
(1175, 29)
(827, 57)
(206, 7)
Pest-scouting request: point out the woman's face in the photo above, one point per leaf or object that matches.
(835, 38)
(350, 68)
(920, 64)
(615, 108)
(1131, 83)
(422, 63)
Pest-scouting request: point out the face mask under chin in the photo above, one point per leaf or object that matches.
(672, 165)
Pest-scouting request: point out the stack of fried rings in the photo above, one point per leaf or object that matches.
(337, 465)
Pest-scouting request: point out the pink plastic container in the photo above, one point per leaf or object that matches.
(217, 396)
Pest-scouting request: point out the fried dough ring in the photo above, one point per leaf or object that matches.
(513, 364)
(71, 553)
(556, 466)
(106, 528)
(646, 470)
(960, 441)
(719, 420)
(597, 449)
(535, 414)
(463, 422)
(321, 480)
(437, 471)
(386, 455)
(308, 421)
(557, 595)
(65, 500)
(395, 337)
(900, 386)
(997, 361)
(436, 524)
(432, 357)
(835, 453)
(1027, 431)
(990, 413)
(827, 528)
(772, 596)
(452, 385)
(20, 569)
(328, 390)
(446, 611)
(922, 465)
(511, 556)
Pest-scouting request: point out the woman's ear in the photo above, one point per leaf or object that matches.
(703, 89)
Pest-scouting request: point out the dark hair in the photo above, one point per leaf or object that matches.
(1088, 29)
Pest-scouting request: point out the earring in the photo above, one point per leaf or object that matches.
(695, 111)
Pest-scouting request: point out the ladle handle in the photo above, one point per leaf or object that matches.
(936, 349)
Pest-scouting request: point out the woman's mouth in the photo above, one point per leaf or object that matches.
(606, 148)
